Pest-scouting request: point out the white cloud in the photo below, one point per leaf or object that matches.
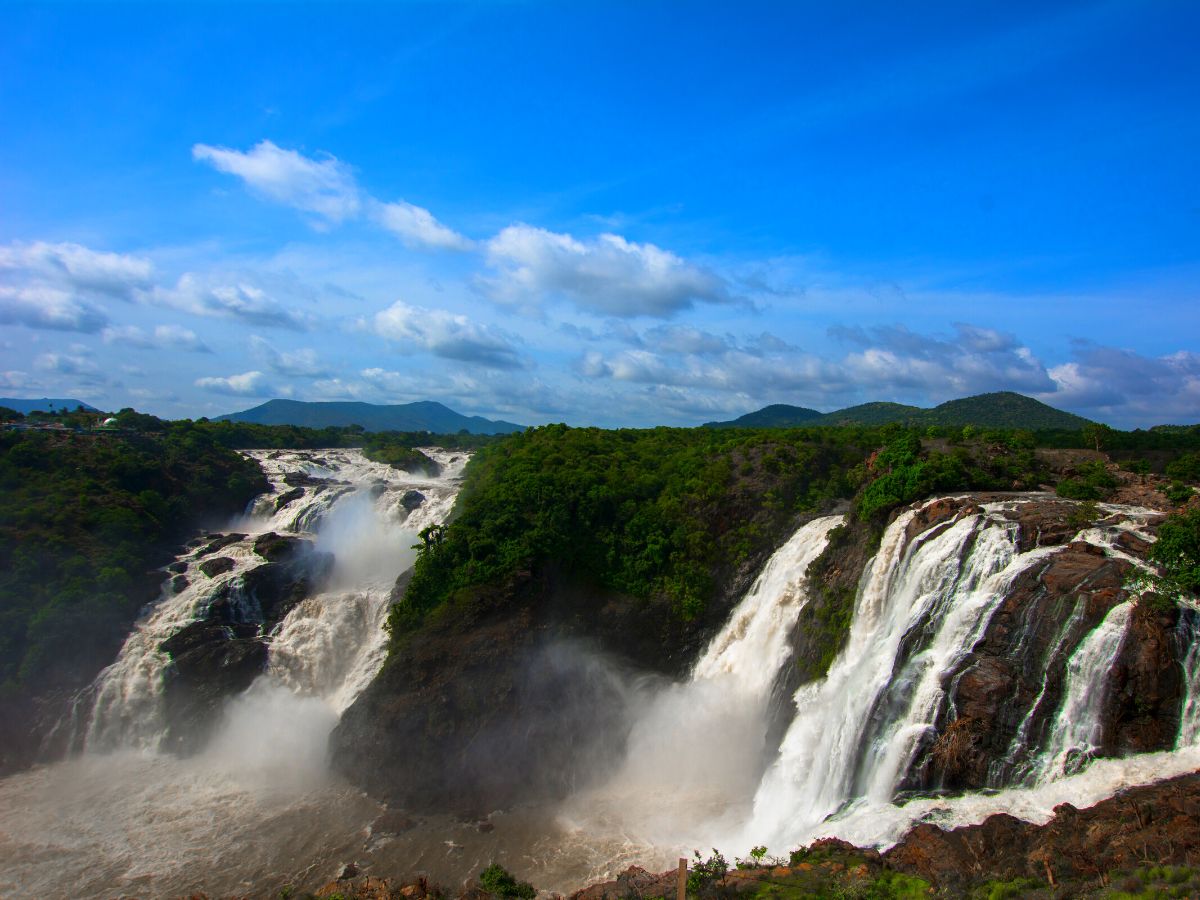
(447, 335)
(44, 307)
(1127, 388)
(607, 275)
(417, 227)
(247, 384)
(163, 337)
(302, 363)
(325, 187)
(56, 286)
(242, 300)
(76, 268)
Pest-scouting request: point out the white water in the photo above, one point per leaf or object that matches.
(1078, 727)
(258, 806)
(1189, 636)
(696, 749)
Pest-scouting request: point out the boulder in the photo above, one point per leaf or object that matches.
(412, 500)
(217, 565)
(287, 497)
(219, 542)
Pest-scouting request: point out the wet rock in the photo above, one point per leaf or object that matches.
(179, 584)
(412, 500)
(276, 587)
(178, 567)
(1159, 823)
(209, 662)
(218, 565)
(219, 542)
(275, 547)
(1043, 523)
(288, 497)
(1146, 687)
(303, 480)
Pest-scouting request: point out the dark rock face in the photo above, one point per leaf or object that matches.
(288, 497)
(218, 565)
(1022, 659)
(412, 500)
(221, 654)
(209, 663)
(514, 695)
(1147, 685)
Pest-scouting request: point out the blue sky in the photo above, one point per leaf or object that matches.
(602, 213)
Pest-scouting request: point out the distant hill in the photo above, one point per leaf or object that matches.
(424, 415)
(778, 415)
(1003, 409)
(45, 404)
(879, 413)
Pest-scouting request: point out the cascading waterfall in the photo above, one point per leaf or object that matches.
(698, 770)
(696, 748)
(1189, 639)
(1077, 728)
(923, 604)
(329, 645)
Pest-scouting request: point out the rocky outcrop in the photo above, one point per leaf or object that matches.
(1003, 697)
(1146, 826)
(513, 692)
(222, 653)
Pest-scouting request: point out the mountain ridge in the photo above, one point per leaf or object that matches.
(27, 405)
(998, 409)
(421, 415)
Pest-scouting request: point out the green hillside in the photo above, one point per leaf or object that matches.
(1002, 409)
(777, 415)
(424, 415)
(879, 413)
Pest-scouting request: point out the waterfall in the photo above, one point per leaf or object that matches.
(1079, 725)
(696, 748)
(328, 646)
(1189, 639)
(922, 605)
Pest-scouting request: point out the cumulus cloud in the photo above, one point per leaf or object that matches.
(446, 334)
(608, 275)
(301, 363)
(247, 384)
(974, 360)
(1126, 388)
(57, 286)
(66, 364)
(49, 308)
(76, 268)
(241, 300)
(325, 187)
(417, 227)
(162, 337)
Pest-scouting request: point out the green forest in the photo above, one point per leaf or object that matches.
(84, 518)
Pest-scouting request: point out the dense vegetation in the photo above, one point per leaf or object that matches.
(639, 511)
(1003, 409)
(83, 517)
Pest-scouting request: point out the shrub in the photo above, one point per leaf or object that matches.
(495, 879)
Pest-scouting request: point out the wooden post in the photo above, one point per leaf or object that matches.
(682, 887)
